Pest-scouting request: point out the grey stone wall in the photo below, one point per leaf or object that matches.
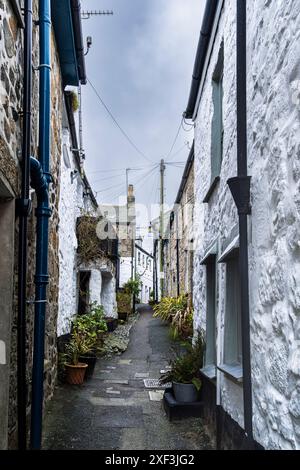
(11, 76)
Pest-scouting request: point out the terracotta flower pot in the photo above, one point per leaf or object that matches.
(75, 374)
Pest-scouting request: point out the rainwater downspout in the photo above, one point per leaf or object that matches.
(240, 189)
(177, 256)
(41, 179)
(23, 211)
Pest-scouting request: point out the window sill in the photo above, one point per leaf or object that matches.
(233, 372)
(212, 187)
(18, 13)
(209, 372)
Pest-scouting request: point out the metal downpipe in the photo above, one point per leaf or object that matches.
(24, 206)
(240, 189)
(43, 213)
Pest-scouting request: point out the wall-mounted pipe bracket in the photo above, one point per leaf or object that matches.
(23, 207)
(240, 190)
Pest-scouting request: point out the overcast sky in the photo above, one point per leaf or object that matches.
(141, 63)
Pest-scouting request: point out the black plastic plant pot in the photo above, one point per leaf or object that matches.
(111, 324)
(122, 316)
(90, 360)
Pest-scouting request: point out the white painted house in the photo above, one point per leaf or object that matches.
(144, 271)
(273, 162)
(79, 284)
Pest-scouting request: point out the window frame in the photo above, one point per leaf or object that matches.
(210, 364)
(232, 366)
(217, 125)
(17, 6)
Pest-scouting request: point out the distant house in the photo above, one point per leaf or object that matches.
(178, 244)
(251, 374)
(144, 271)
(122, 219)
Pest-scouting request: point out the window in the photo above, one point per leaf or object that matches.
(139, 258)
(83, 297)
(232, 354)
(143, 260)
(217, 129)
(211, 270)
(233, 331)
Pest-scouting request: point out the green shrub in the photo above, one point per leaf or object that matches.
(124, 302)
(177, 311)
(133, 287)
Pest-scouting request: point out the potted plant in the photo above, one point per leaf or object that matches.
(184, 372)
(91, 327)
(124, 301)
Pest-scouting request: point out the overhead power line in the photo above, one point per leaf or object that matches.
(117, 124)
(174, 141)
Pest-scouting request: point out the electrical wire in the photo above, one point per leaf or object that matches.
(176, 153)
(117, 124)
(113, 195)
(190, 126)
(108, 178)
(174, 142)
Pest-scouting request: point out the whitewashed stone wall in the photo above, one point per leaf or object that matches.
(70, 203)
(274, 164)
(125, 269)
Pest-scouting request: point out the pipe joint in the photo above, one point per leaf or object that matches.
(43, 211)
(41, 279)
(23, 207)
(240, 190)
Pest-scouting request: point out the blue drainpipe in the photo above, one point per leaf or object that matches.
(40, 177)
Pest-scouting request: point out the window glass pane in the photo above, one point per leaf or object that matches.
(217, 122)
(232, 345)
(210, 354)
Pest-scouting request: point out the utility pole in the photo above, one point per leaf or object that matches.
(161, 224)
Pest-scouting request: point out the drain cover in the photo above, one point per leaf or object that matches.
(154, 383)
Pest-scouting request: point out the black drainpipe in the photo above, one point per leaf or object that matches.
(240, 189)
(177, 257)
(23, 210)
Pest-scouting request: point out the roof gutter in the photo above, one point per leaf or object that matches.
(76, 17)
(203, 46)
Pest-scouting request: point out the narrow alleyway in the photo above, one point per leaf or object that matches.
(113, 410)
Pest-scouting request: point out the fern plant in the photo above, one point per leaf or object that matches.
(185, 367)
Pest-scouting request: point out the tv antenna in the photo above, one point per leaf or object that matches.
(85, 15)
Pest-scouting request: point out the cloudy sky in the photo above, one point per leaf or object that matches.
(141, 64)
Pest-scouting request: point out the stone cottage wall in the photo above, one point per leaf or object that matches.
(273, 147)
(182, 226)
(11, 84)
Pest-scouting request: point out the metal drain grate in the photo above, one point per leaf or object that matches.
(154, 383)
